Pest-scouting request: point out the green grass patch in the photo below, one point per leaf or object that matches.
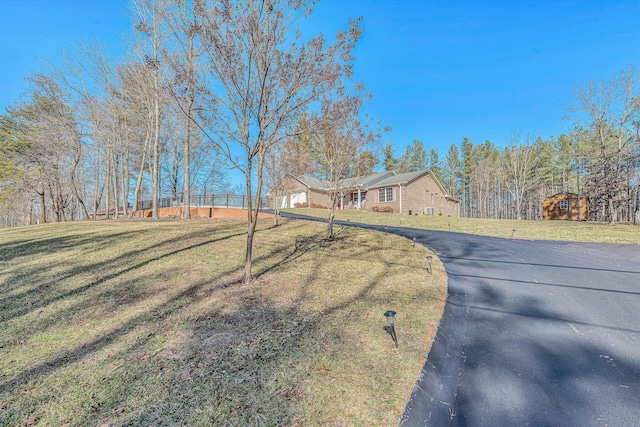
(518, 229)
(147, 323)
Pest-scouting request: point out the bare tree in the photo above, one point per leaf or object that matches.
(151, 25)
(102, 102)
(266, 76)
(609, 109)
(520, 161)
(338, 142)
(484, 178)
(138, 90)
(636, 213)
(287, 158)
(184, 18)
(49, 153)
(276, 168)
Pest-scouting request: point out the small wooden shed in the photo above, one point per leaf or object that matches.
(566, 206)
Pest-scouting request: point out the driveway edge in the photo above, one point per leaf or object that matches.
(432, 401)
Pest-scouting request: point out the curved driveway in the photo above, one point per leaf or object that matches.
(538, 333)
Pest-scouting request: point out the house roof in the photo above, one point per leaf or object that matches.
(366, 181)
(373, 181)
(395, 179)
(313, 182)
(353, 182)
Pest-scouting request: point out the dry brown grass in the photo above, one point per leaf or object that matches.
(518, 229)
(146, 323)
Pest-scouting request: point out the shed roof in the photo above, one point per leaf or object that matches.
(564, 193)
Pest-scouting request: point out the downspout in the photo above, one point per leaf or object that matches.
(400, 186)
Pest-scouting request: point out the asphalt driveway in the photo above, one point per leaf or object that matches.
(534, 333)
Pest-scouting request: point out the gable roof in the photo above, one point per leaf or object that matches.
(353, 182)
(373, 181)
(366, 180)
(400, 178)
(313, 182)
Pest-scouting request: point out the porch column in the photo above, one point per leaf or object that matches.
(358, 198)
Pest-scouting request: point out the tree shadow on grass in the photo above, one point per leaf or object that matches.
(239, 364)
(46, 245)
(248, 366)
(20, 304)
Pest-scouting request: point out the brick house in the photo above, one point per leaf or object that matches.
(411, 193)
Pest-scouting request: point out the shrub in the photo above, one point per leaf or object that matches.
(300, 205)
(387, 209)
(317, 206)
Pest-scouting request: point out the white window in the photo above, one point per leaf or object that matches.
(564, 204)
(354, 196)
(385, 195)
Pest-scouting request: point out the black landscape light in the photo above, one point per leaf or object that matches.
(430, 261)
(513, 232)
(391, 320)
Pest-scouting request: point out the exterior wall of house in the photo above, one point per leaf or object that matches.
(295, 187)
(417, 196)
(293, 191)
(373, 199)
(551, 208)
(318, 197)
(425, 193)
(422, 195)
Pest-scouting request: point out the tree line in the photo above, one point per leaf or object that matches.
(211, 86)
(599, 158)
(207, 86)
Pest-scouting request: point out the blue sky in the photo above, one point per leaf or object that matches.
(439, 70)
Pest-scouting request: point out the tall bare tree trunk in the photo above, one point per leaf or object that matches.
(107, 180)
(332, 215)
(136, 192)
(636, 215)
(124, 183)
(85, 212)
(186, 186)
(43, 206)
(156, 158)
(611, 210)
(252, 222)
(114, 178)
